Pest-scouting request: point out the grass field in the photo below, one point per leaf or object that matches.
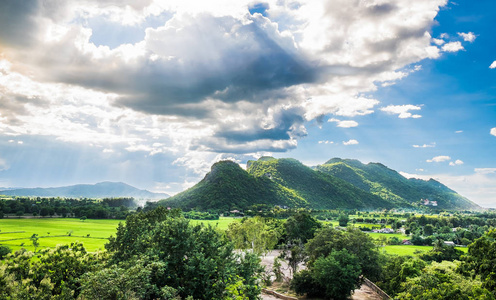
(221, 224)
(411, 249)
(54, 231)
(16, 233)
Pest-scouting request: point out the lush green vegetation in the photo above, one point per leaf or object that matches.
(338, 184)
(107, 208)
(16, 233)
(154, 255)
(392, 186)
(145, 257)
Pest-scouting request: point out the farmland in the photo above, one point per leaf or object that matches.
(16, 233)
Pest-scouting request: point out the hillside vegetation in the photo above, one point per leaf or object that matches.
(388, 184)
(284, 182)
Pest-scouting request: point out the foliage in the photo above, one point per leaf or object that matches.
(196, 260)
(343, 220)
(294, 253)
(273, 182)
(109, 208)
(481, 258)
(395, 271)
(441, 281)
(259, 234)
(301, 226)
(442, 252)
(332, 277)
(392, 186)
(353, 240)
(55, 273)
(4, 250)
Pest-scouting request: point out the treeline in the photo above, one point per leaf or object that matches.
(107, 208)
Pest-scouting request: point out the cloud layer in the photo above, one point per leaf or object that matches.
(205, 78)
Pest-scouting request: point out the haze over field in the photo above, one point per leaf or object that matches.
(153, 92)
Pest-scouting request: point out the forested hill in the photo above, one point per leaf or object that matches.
(390, 185)
(284, 182)
(99, 190)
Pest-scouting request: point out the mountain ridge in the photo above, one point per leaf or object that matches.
(105, 189)
(337, 184)
(380, 180)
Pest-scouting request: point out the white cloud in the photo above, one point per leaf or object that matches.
(438, 42)
(459, 131)
(326, 142)
(350, 142)
(402, 110)
(468, 37)
(456, 163)
(493, 65)
(345, 123)
(452, 47)
(161, 89)
(440, 158)
(493, 131)
(431, 145)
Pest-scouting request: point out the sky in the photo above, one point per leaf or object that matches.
(153, 92)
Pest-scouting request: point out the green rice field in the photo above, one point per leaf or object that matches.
(16, 233)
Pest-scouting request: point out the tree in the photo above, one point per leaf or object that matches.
(4, 250)
(301, 226)
(396, 269)
(34, 239)
(294, 253)
(196, 261)
(352, 239)
(333, 277)
(428, 230)
(343, 220)
(442, 281)
(480, 259)
(258, 233)
(54, 275)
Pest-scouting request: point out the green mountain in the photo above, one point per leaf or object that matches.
(227, 186)
(284, 182)
(388, 184)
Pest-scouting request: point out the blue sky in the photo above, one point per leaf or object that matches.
(153, 92)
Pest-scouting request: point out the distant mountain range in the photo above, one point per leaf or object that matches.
(99, 190)
(337, 184)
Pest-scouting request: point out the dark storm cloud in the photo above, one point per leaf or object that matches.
(209, 58)
(17, 22)
(237, 75)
